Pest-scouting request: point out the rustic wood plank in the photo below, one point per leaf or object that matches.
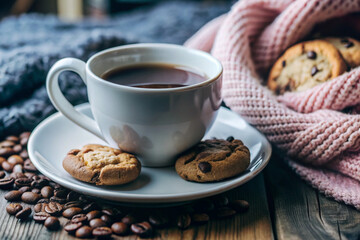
(255, 224)
(301, 212)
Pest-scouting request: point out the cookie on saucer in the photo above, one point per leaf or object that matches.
(306, 65)
(102, 165)
(213, 160)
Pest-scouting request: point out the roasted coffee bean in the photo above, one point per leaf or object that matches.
(25, 189)
(29, 174)
(93, 214)
(72, 196)
(90, 207)
(239, 206)
(44, 200)
(183, 221)
(15, 159)
(17, 148)
(107, 219)
(18, 168)
(6, 183)
(204, 167)
(70, 212)
(230, 139)
(58, 200)
(53, 208)
(2, 174)
(13, 195)
(61, 193)
(13, 208)
(24, 141)
(47, 192)
(204, 205)
(24, 154)
(7, 143)
(102, 232)
(84, 232)
(23, 214)
(28, 166)
(39, 183)
(97, 222)
(224, 212)
(12, 138)
(30, 197)
(36, 190)
(71, 227)
(40, 207)
(158, 220)
(220, 201)
(72, 204)
(25, 135)
(108, 211)
(17, 175)
(7, 166)
(21, 182)
(200, 218)
(120, 228)
(55, 185)
(6, 151)
(142, 229)
(40, 216)
(79, 218)
(129, 219)
(52, 223)
(83, 198)
(44, 177)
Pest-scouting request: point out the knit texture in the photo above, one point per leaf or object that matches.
(308, 126)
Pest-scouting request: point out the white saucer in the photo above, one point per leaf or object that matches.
(55, 136)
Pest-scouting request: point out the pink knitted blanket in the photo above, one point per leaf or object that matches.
(322, 143)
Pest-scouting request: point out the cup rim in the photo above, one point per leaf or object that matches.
(155, 45)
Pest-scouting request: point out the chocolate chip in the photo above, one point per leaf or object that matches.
(311, 55)
(230, 139)
(283, 63)
(204, 167)
(349, 44)
(314, 70)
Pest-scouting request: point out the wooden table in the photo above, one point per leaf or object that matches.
(282, 206)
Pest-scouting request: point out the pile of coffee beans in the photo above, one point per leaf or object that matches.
(33, 195)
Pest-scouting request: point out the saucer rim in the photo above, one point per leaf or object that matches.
(146, 198)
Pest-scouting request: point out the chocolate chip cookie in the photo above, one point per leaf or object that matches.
(349, 49)
(213, 160)
(306, 65)
(102, 165)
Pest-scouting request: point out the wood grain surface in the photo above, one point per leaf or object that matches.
(300, 212)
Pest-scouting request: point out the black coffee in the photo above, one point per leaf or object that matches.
(154, 76)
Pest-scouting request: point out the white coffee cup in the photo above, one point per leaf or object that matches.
(154, 124)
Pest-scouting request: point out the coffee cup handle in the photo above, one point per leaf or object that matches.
(61, 103)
